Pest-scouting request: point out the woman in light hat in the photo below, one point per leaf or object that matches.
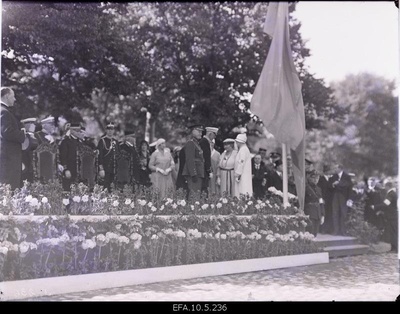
(161, 164)
(226, 167)
(243, 175)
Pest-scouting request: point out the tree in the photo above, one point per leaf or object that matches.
(56, 55)
(367, 140)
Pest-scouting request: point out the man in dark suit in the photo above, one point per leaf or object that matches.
(327, 195)
(205, 144)
(193, 169)
(46, 153)
(11, 139)
(27, 149)
(69, 155)
(313, 202)
(342, 185)
(128, 161)
(108, 151)
(259, 176)
(390, 214)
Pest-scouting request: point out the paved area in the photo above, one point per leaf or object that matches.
(372, 277)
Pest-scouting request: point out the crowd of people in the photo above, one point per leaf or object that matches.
(35, 150)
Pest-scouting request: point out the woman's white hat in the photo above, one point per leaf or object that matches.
(241, 138)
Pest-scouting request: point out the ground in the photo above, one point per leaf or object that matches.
(371, 277)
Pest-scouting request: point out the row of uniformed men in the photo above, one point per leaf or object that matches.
(75, 155)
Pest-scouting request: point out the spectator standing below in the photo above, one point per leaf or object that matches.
(162, 164)
(11, 139)
(144, 158)
(313, 202)
(259, 177)
(327, 195)
(226, 168)
(373, 197)
(205, 144)
(215, 156)
(193, 169)
(243, 177)
(342, 185)
(108, 151)
(390, 213)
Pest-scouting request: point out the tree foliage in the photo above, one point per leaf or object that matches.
(182, 62)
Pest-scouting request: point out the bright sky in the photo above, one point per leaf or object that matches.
(350, 37)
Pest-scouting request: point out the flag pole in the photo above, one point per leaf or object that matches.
(285, 176)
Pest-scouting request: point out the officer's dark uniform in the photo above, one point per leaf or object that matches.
(69, 159)
(108, 151)
(127, 171)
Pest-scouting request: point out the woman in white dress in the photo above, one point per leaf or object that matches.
(243, 175)
(161, 164)
(225, 172)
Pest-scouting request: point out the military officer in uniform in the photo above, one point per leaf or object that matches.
(68, 155)
(45, 156)
(193, 170)
(128, 164)
(205, 144)
(29, 145)
(108, 150)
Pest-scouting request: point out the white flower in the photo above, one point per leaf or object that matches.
(153, 208)
(258, 206)
(212, 205)
(174, 206)
(123, 239)
(132, 205)
(142, 202)
(167, 231)
(217, 235)
(183, 203)
(3, 250)
(162, 207)
(112, 236)
(104, 200)
(76, 199)
(224, 200)
(65, 201)
(149, 204)
(118, 226)
(88, 244)
(180, 234)
(4, 202)
(85, 198)
(192, 207)
(45, 200)
(32, 246)
(23, 247)
(128, 201)
(91, 230)
(137, 245)
(64, 238)
(115, 203)
(205, 206)
(169, 200)
(197, 203)
(249, 203)
(223, 236)
(154, 237)
(219, 205)
(136, 237)
(34, 202)
(28, 198)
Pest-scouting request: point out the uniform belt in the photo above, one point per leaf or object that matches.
(226, 169)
